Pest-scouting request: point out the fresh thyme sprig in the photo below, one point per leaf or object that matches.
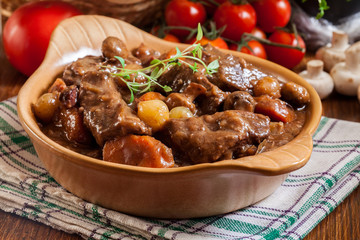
(157, 67)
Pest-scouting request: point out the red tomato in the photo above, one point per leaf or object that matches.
(258, 49)
(237, 18)
(286, 57)
(218, 42)
(27, 32)
(184, 13)
(171, 38)
(168, 37)
(272, 13)
(257, 32)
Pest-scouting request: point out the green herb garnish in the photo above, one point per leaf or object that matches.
(158, 67)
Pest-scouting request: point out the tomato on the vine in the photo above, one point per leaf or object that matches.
(171, 38)
(184, 13)
(257, 49)
(237, 18)
(286, 57)
(217, 42)
(27, 32)
(272, 13)
(257, 32)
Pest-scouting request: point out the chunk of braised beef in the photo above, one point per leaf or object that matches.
(121, 84)
(74, 72)
(186, 98)
(69, 96)
(233, 73)
(80, 142)
(223, 135)
(245, 150)
(105, 112)
(146, 54)
(134, 77)
(239, 100)
(58, 86)
(180, 77)
(180, 100)
(282, 133)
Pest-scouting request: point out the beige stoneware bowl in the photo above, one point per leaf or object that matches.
(192, 191)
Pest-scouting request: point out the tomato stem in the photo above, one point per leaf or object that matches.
(265, 41)
(246, 37)
(192, 31)
(207, 2)
(239, 2)
(209, 30)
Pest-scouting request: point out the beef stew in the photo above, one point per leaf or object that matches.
(238, 110)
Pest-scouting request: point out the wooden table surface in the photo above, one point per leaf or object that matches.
(343, 223)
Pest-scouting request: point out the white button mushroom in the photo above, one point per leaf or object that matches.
(320, 80)
(335, 52)
(346, 74)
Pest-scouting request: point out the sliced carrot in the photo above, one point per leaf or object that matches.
(74, 127)
(275, 109)
(136, 150)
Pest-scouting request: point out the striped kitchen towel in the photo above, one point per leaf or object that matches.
(298, 205)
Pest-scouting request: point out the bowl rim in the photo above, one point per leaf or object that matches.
(245, 164)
